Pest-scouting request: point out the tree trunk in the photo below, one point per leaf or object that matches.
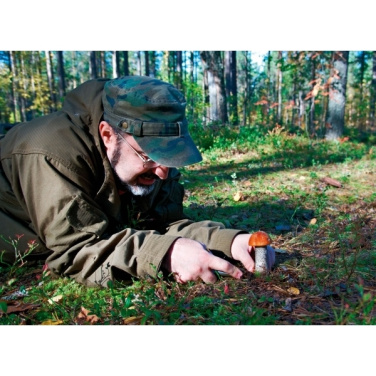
(373, 92)
(13, 66)
(139, 63)
(126, 63)
(61, 73)
(247, 80)
(147, 69)
(206, 95)
(231, 87)
(51, 80)
(191, 66)
(335, 123)
(102, 64)
(153, 72)
(179, 70)
(361, 118)
(214, 66)
(115, 64)
(93, 65)
(279, 87)
(311, 118)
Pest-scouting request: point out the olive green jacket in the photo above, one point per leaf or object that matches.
(57, 186)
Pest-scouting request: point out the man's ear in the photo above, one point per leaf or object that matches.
(108, 134)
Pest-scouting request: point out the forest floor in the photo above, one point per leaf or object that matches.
(317, 200)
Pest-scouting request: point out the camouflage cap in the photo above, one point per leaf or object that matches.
(153, 112)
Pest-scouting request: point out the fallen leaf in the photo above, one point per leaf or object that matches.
(84, 316)
(332, 182)
(238, 196)
(293, 291)
(20, 307)
(52, 322)
(313, 221)
(55, 299)
(132, 319)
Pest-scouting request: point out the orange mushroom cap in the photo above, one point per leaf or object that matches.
(259, 239)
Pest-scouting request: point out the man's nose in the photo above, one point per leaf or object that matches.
(161, 171)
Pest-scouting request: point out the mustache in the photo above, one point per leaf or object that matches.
(150, 175)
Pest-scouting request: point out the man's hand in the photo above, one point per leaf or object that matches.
(188, 260)
(242, 252)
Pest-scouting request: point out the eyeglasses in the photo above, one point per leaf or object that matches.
(147, 162)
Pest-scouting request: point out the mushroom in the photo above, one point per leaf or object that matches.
(260, 240)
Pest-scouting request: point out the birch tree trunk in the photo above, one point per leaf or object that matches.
(335, 123)
(115, 64)
(50, 80)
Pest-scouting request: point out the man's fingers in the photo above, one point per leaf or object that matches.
(219, 264)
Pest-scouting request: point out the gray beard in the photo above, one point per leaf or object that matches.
(139, 190)
(136, 190)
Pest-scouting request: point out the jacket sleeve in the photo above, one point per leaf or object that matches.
(73, 226)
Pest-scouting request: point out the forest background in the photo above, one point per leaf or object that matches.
(274, 26)
(312, 92)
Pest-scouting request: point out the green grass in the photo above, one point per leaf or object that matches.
(254, 180)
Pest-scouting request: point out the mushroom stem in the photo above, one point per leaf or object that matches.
(261, 260)
(260, 240)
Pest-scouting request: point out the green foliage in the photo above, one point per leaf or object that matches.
(327, 235)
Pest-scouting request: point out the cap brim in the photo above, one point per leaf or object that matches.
(170, 151)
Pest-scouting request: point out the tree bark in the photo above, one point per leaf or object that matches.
(335, 123)
(279, 87)
(191, 66)
(139, 63)
(51, 80)
(361, 119)
(14, 71)
(93, 65)
(153, 72)
(125, 63)
(115, 64)
(373, 92)
(179, 70)
(61, 73)
(213, 65)
(231, 86)
(147, 65)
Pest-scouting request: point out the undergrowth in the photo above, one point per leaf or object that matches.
(252, 179)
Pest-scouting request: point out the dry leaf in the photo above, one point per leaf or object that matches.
(238, 196)
(313, 221)
(132, 319)
(293, 291)
(55, 299)
(332, 182)
(52, 322)
(19, 307)
(84, 316)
